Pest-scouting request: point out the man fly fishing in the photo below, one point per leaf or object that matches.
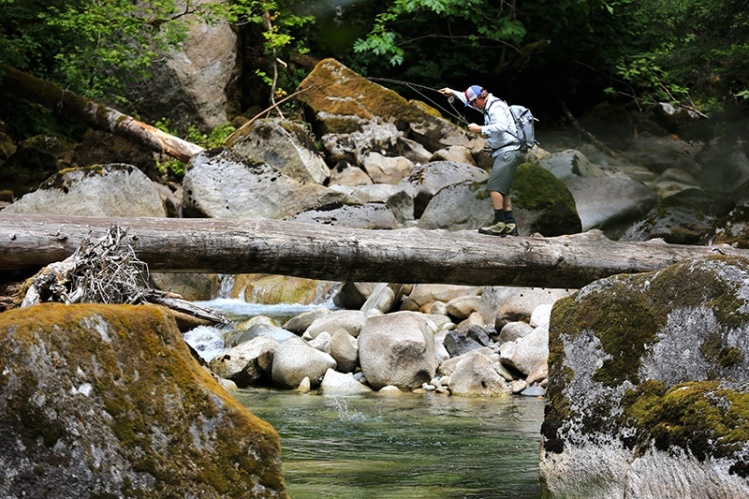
(500, 131)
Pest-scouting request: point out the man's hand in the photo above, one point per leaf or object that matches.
(473, 127)
(446, 91)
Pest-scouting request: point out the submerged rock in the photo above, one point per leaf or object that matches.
(107, 401)
(648, 392)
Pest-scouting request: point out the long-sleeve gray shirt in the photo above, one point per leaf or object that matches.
(499, 127)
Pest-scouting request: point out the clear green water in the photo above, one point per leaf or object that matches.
(414, 446)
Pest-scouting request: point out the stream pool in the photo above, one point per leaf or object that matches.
(411, 446)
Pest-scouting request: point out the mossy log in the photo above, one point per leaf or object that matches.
(231, 246)
(96, 115)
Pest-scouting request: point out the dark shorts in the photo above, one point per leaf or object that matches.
(505, 165)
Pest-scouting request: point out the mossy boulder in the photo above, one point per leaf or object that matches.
(648, 378)
(341, 102)
(542, 203)
(107, 401)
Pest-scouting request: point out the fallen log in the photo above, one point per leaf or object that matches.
(97, 115)
(231, 246)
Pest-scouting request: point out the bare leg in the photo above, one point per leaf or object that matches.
(497, 200)
(500, 202)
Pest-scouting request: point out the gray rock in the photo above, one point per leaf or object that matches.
(115, 190)
(352, 321)
(397, 349)
(684, 218)
(344, 348)
(605, 201)
(476, 377)
(283, 145)
(220, 184)
(336, 383)
(514, 330)
(299, 323)
(427, 180)
(645, 380)
(525, 353)
(386, 169)
(570, 163)
(248, 363)
(458, 343)
(197, 84)
(295, 359)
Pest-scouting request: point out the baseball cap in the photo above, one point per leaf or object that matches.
(473, 92)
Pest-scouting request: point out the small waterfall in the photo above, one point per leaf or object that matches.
(226, 286)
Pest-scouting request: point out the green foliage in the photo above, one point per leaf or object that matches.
(690, 49)
(215, 138)
(456, 34)
(283, 31)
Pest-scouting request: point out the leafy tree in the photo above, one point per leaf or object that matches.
(438, 40)
(92, 47)
(690, 48)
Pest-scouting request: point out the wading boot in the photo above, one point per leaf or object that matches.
(510, 230)
(496, 229)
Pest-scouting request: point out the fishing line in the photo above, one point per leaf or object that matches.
(454, 114)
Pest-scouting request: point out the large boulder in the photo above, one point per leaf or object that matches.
(426, 180)
(688, 217)
(107, 401)
(248, 363)
(462, 206)
(542, 203)
(353, 116)
(351, 321)
(570, 163)
(283, 145)
(604, 201)
(648, 385)
(198, 85)
(220, 184)
(397, 349)
(475, 376)
(33, 161)
(115, 190)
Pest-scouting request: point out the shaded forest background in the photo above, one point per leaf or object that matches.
(545, 54)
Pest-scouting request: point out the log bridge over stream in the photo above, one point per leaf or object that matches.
(232, 246)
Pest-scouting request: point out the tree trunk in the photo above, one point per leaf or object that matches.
(93, 114)
(231, 246)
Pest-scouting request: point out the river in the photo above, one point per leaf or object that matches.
(411, 446)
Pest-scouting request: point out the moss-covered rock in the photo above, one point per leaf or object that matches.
(648, 378)
(107, 401)
(345, 103)
(543, 203)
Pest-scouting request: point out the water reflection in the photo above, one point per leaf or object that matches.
(414, 446)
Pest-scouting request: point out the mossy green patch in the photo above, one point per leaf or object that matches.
(705, 418)
(624, 321)
(536, 189)
(164, 414)
(719, 354)
(627, 315)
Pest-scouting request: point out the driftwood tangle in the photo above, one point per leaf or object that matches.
(108, 271)
(231, 246)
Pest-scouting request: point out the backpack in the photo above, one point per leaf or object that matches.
(524, 126)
